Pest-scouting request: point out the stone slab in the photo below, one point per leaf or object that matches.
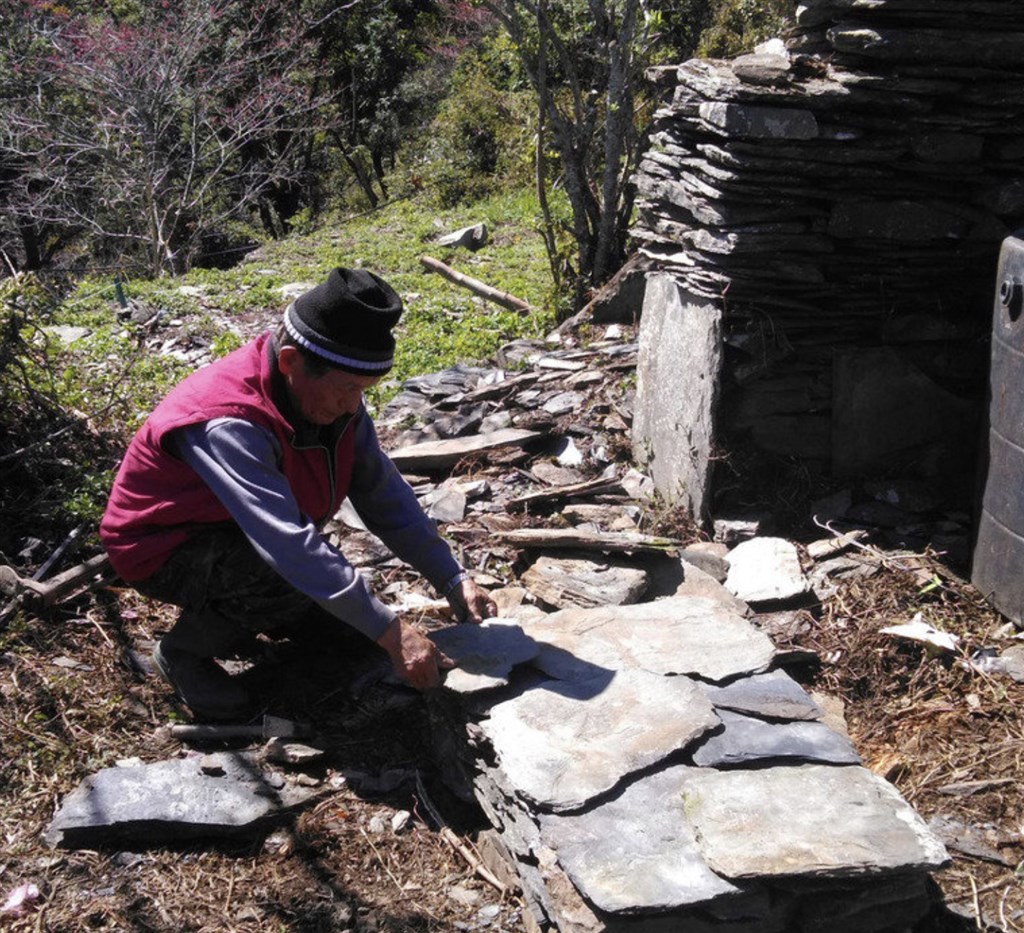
(563, 743)
(485, 653)
(679, 358)
(772, 695)
(808, 820)
(765, 569)
(679, 635)
(223, 794)
(636, 852)
(580, 582)
(436, 455)
(746, 740)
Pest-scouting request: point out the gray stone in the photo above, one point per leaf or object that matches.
(712, 562)
(637, 852)
(225, 794)
(678, 635)
(896, 220)
(773, 695)
(755, 122)
(746, 740)
(809, 820)
(731, 531)
(886, 411)
(485, 653)
(696, 582)
(563, 403)
(67, 334)
(765, 570)
(562, 743)
(471, 238)
(580, 582)
(445, 505)
(434, 455)
(679, 359)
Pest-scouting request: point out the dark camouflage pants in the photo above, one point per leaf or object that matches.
(226, 591)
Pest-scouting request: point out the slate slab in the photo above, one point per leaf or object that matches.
(485, 653)
(637, 852)
(808, 820)
(562, 743)
(224, 794)
(580, 582)
(772, 695)
(746, 740)
(679, 635)
(765, 569)
(435, 455)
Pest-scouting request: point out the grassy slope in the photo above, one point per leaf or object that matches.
(115, 380)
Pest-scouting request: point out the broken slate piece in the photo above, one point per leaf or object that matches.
(171, 801)
(445, 505)
(746, 740)
(562, 743)
(765, 570)
(485, 653)
(773, 695)
(637, 852)
(436, 455)
(808, 820)
(563, 403)
(679, 635)
(581, 582)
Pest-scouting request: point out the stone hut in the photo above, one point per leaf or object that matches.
(820, 223)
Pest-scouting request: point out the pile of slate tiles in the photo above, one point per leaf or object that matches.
(848, 187)
(644, 757)
(648, 769)
(871, 164)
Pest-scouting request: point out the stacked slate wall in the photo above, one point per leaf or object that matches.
(835, 203)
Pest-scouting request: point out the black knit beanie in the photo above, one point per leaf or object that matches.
(347, 321)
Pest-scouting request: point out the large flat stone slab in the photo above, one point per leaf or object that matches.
(772, 695)
(809, 820)
(680, 635)
(225, 794)
(561, 743)
(636, 852)
(746, 740)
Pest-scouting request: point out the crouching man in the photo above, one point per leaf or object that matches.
(220, 499)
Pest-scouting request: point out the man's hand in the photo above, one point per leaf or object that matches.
(414, 657)
(471, 603)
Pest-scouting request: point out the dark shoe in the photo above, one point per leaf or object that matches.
(202, 684)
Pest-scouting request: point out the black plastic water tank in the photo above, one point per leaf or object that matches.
(998, 565)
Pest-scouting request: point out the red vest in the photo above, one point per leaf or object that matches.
(158, 500)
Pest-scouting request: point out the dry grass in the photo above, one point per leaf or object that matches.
(926, 723)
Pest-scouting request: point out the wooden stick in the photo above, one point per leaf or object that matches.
(449, 836)
(612, 542)
(478, 288)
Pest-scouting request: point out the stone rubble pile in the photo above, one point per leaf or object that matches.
(848, 188)
(627, 723)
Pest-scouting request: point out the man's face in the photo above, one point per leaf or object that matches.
(322, 399)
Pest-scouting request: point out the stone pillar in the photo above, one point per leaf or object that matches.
(678, 370)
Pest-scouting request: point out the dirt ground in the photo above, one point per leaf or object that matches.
(77, 694)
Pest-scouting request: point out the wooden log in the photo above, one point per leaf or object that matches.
(621, 542)
(543, 496)
(477, 287)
